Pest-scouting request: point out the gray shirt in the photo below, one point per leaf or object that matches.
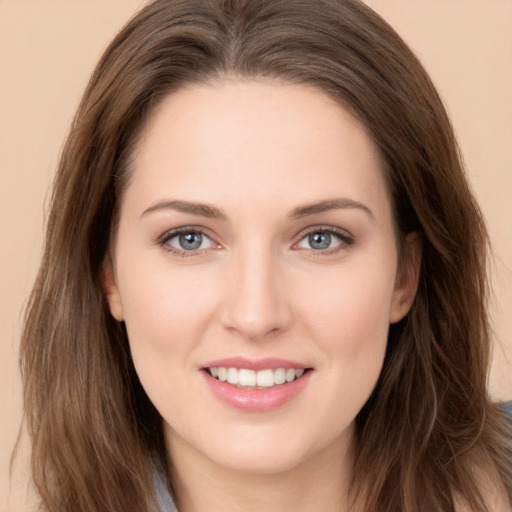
(165, 502)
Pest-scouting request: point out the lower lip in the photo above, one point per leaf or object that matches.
(257, 400)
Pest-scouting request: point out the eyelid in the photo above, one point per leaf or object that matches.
(346, 238)
(171, 233)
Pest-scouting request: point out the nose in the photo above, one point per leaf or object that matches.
(256, 305)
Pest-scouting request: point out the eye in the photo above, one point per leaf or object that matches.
(324, 240)
(187, 241)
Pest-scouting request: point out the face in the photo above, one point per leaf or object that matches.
(255, 267)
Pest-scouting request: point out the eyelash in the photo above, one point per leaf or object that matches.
(345, 240)
(163, 240)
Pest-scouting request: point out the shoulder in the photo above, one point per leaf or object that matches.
(494, 492)
(496, 500)
(506, 407)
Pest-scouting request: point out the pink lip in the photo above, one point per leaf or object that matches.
(251, 399)
(271, 363)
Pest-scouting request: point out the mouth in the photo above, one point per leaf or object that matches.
(256, 386)
(256, 379)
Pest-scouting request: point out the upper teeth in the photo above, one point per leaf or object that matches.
(251, 378)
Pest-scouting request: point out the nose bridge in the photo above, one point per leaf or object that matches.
(257, 304)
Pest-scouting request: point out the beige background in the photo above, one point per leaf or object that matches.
(47, 51)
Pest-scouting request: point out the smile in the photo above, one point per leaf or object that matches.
(266, 378)
(256, 386)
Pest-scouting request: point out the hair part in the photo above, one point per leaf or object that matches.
(429, 422)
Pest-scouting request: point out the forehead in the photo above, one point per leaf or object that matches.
(257, 141)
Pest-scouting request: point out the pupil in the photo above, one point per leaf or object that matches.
(320, 240)
(191, 241)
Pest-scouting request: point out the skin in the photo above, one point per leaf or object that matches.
(258, 151)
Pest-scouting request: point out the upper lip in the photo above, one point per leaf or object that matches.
(266, 363)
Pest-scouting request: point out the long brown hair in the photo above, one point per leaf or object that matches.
(429, 423)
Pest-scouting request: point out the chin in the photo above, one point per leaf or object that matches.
(260, 461)
(267, 449)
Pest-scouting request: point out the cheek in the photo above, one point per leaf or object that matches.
(349, 319)
(351, 307)
(166, 315)
(165, 311)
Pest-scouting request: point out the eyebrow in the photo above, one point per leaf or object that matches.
(199, 209)
(212, 212)
(327, 205)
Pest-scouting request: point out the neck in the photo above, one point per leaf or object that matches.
(318, 484)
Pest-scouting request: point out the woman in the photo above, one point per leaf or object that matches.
(263, 284)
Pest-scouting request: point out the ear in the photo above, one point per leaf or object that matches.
(408, 273)
(109, 284)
